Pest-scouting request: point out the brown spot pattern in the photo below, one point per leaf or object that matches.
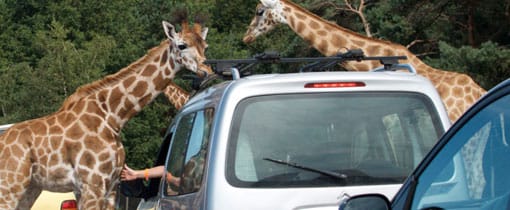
(323, 46)
(91, 122)
(159, 83)
(164, 58)
(128, 82)
(300, 27)
(106, 167)
(74, 132)
(149, 70)
(55, 142)
(87, 159)
(140, 89)
(115, 98)
(322, 33)
(300, 16)
(314, 25)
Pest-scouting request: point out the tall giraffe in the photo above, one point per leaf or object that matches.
(458, 91)
(78, 148)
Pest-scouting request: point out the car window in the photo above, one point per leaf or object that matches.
(185, 166)
(471, 171)
(330, 139)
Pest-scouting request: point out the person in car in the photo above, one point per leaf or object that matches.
(129, 174)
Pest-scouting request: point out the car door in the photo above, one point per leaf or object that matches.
(472, 169)
(467, 169)
(186, 161)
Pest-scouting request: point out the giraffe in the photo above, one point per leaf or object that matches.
(458, 91)
(78, 148)
(176, 95)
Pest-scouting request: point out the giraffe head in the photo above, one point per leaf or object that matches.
(268, 15)
(189, 46)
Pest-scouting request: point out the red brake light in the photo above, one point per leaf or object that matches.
(68, 205)
(334, 84)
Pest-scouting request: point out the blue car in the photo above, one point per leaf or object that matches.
(469, 167)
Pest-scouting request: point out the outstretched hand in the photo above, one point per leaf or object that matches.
(128, 174)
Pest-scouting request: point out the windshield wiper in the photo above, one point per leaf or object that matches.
(320, 171)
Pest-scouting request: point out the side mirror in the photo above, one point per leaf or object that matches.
(366, 201)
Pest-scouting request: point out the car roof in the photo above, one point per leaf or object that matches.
(295, 82)
(5, 127)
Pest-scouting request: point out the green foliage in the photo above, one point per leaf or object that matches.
(488, 64)
(225, 45)
(64, 67)
(233, 15)
(17, 83)
(389, 26)
(143, 134)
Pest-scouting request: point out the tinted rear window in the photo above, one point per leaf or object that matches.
(330, 139)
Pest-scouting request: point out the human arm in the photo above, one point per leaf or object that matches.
(172, 179)
(129, 174)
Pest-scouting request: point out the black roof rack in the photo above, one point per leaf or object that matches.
(236, 68)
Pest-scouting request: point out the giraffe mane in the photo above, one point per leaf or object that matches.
(95, 86)
(335, 25)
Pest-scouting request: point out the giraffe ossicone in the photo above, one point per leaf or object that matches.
(78, 148)
(458, 91)
(269, 3)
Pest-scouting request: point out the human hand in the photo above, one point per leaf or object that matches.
(128, 174)
(172, 179)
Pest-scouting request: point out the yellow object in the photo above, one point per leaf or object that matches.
(51, 200)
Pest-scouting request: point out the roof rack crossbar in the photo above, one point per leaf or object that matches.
(225, 67)
(318, 62)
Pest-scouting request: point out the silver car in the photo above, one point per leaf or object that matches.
(297, 141)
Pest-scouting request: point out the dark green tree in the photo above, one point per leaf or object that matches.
(489, 63)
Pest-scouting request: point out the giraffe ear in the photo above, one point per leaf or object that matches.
(204, 32)
(269, 3)
(169, 30)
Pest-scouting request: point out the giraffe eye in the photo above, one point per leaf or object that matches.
(182, 46)
(260, 12)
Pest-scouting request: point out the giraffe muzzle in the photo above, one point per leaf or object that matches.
(204, 71)
(248, 39)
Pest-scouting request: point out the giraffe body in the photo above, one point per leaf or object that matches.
(458, 91)
(78, 148)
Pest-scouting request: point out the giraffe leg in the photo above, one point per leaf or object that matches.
(29, 197)
(111, 199)
(15, 176)
(8, 199)
(92, 197)
(99, 193)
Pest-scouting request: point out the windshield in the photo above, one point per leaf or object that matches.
(330, 139)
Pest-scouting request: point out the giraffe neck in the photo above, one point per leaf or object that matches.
(176, 95)
(118, 97)
(458, 91)
(330, 39)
